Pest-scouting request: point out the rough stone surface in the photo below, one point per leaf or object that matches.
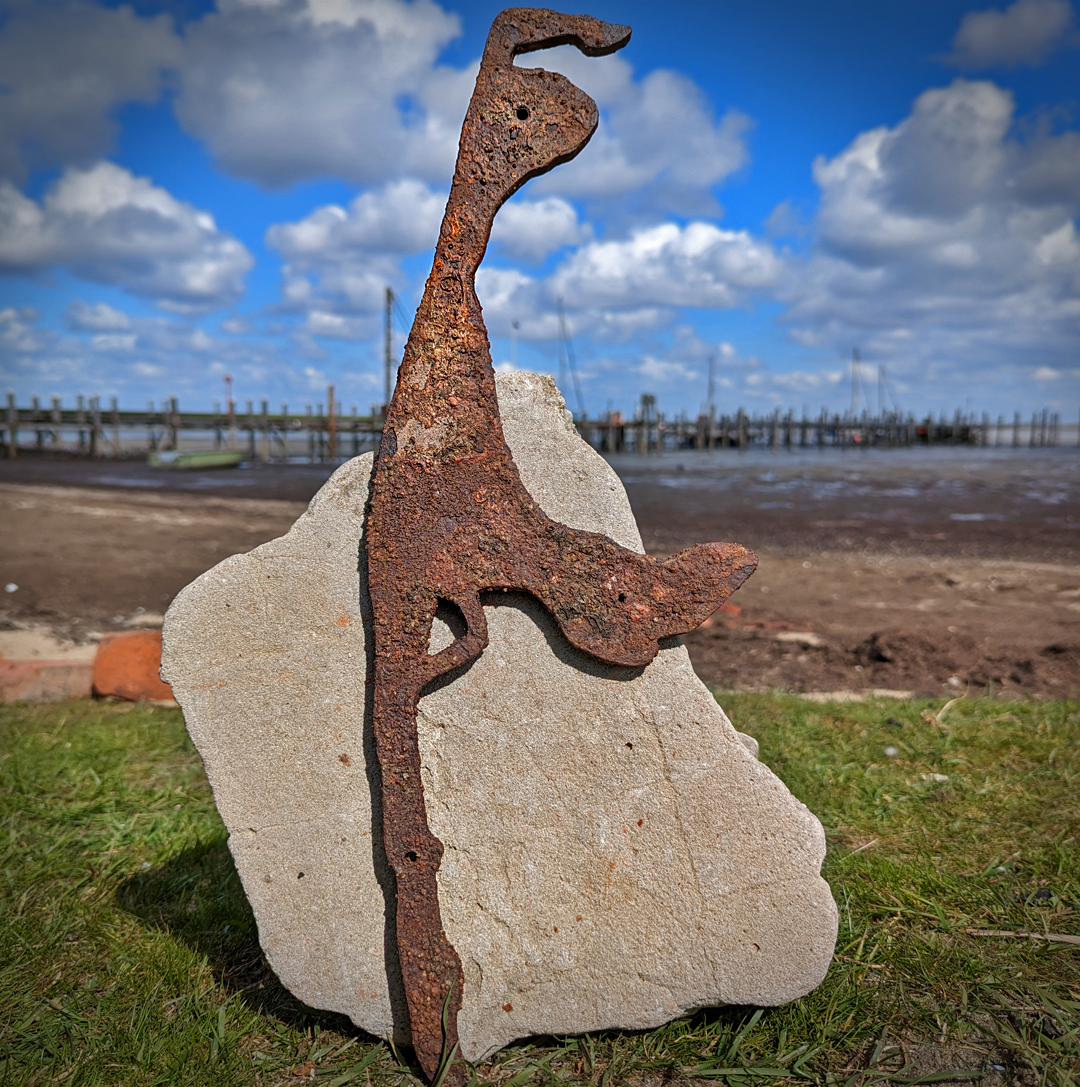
(615, 854)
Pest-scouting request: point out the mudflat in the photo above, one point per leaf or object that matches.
(933, 571)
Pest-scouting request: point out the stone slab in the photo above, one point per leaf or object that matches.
(615, 855)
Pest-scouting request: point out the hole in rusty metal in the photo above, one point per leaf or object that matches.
(409, 856)
(522, 113)
(622, 598)
(448, 626)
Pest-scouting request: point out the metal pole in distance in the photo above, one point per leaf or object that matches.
(568, 348)
(388, 348)
(711, 403)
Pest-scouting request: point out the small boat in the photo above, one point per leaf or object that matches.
(211, 458)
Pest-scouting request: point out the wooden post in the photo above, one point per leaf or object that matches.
(95, 426)
(80, 422)
(266, 431)
(331, 426)
(12, 426)
(1016, 430)
(174, 423)
(56, 421)
(741, 424)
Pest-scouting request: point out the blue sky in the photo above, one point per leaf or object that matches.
(194, 189)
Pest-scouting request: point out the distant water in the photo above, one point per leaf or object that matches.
(961, 484)
(1004, 481)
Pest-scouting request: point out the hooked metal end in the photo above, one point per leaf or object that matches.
(525, 30)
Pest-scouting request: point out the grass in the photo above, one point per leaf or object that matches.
(128, 954)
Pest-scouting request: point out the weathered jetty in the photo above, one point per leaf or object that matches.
(326, 433)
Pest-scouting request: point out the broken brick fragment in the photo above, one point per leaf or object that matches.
(126, 666)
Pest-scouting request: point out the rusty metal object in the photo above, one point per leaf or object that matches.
(449, 515)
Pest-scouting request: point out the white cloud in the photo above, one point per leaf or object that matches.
(106, 225)
(65, 66)
(399, 219)
(658, 137)
(945, 246)
(669, 265)
(353, 89)
(665, 369)
(1026, 32)
(113, 341)
(156, 357)
(100, 317)
(338, 261)
(17, 332)
(307, 88)
(531, 229)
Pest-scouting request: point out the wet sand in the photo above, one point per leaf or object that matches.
(934, 571)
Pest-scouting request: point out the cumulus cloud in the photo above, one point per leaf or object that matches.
(945, 245)
(289, 89)
(100, 317)
(64, 66)
(698, 264)
(665, 369)
(615, 289)
(18, 335)
(1024, 33)
(658, 137)
(338, 260)
(155, 357)
(630, 290)
(531, 229)
(106, 225)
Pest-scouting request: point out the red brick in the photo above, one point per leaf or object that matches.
(44, 681)
(126, 666)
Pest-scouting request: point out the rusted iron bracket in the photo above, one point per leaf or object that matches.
(450, 518)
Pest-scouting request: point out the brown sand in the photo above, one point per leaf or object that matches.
(935, 573)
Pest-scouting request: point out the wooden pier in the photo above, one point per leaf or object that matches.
(323, 433)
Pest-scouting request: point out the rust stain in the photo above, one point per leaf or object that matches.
(344, 759)
(450, 517)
